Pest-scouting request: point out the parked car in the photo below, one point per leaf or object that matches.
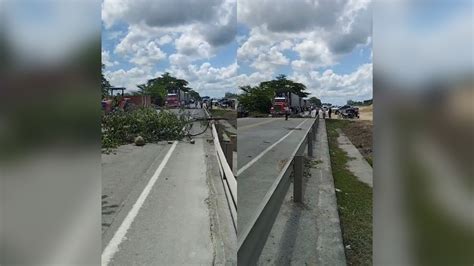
(348, 111)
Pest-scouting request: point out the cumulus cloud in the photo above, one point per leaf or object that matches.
(106, 60)
(205, 78)
(159, 13)
(290, 16)
(194, 31)
(141, 51)
(193, 45)
(129, 78)
(319, 31)
(214, 20)
(315, 52)
(334, 87)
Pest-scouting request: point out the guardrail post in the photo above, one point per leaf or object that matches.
(298, 179)
(315, 128)
(228, 152)
(310, 142)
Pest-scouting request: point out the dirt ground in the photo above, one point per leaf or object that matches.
(366, 112)
(360, 134)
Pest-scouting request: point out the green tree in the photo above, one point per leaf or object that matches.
(256, 99)
(194, 95)
(259, 98)
(315, 101)
(159, 87)
(281, 85)
(105, 84)
(231, 95)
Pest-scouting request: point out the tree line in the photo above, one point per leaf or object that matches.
(259, 98)
(157, 87)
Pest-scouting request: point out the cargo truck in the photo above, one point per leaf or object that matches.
(283, 102)
(177, 99)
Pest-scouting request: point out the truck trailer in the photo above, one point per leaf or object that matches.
(283, 102)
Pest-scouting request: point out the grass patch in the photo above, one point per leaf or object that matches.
(229, 115)
(360, 134)
(354, 203)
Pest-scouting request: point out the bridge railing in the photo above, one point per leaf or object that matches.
(228, 179)
(252, 239)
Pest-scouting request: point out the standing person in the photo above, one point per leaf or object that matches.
(329, 113)
(287, 110)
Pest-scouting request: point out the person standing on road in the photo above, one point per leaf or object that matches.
(287, 110)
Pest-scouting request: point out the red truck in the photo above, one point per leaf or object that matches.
(285, 101)
(172, 100)
(279, 106)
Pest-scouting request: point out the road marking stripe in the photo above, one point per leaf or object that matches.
(257, 124)
(119, 235)
(254, 160)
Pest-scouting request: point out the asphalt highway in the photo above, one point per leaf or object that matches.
(164, 204)
(264, 146)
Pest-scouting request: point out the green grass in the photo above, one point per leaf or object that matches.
(354, 203)
(222, 112)
(229, 115)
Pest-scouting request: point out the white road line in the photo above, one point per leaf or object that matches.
(119, 235)
(254, 160)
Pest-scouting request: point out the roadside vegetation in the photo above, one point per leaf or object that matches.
(229, 115)
(122, 127)
(354, 200)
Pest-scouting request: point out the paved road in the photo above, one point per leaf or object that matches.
(163, 204)
(264, 146)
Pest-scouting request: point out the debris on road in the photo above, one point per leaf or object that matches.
(139, 141)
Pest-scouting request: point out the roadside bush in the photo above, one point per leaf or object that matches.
(256, 101)
(120, 127)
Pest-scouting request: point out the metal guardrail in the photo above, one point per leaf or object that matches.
(227, 176)
(252, 239)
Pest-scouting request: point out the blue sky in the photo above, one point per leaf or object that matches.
(325, 45)
(219, 45)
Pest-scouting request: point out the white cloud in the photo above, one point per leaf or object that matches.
(165, 39)
(129, 78)
(193, 30)
(338, 88)
(270, 60)
(106, 60)
(147, 54)
(321, 32)
(314, 52)
(192, 45)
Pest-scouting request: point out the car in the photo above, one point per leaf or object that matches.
(348, 111)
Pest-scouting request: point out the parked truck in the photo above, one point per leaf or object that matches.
(176, 99)
(285, 101)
